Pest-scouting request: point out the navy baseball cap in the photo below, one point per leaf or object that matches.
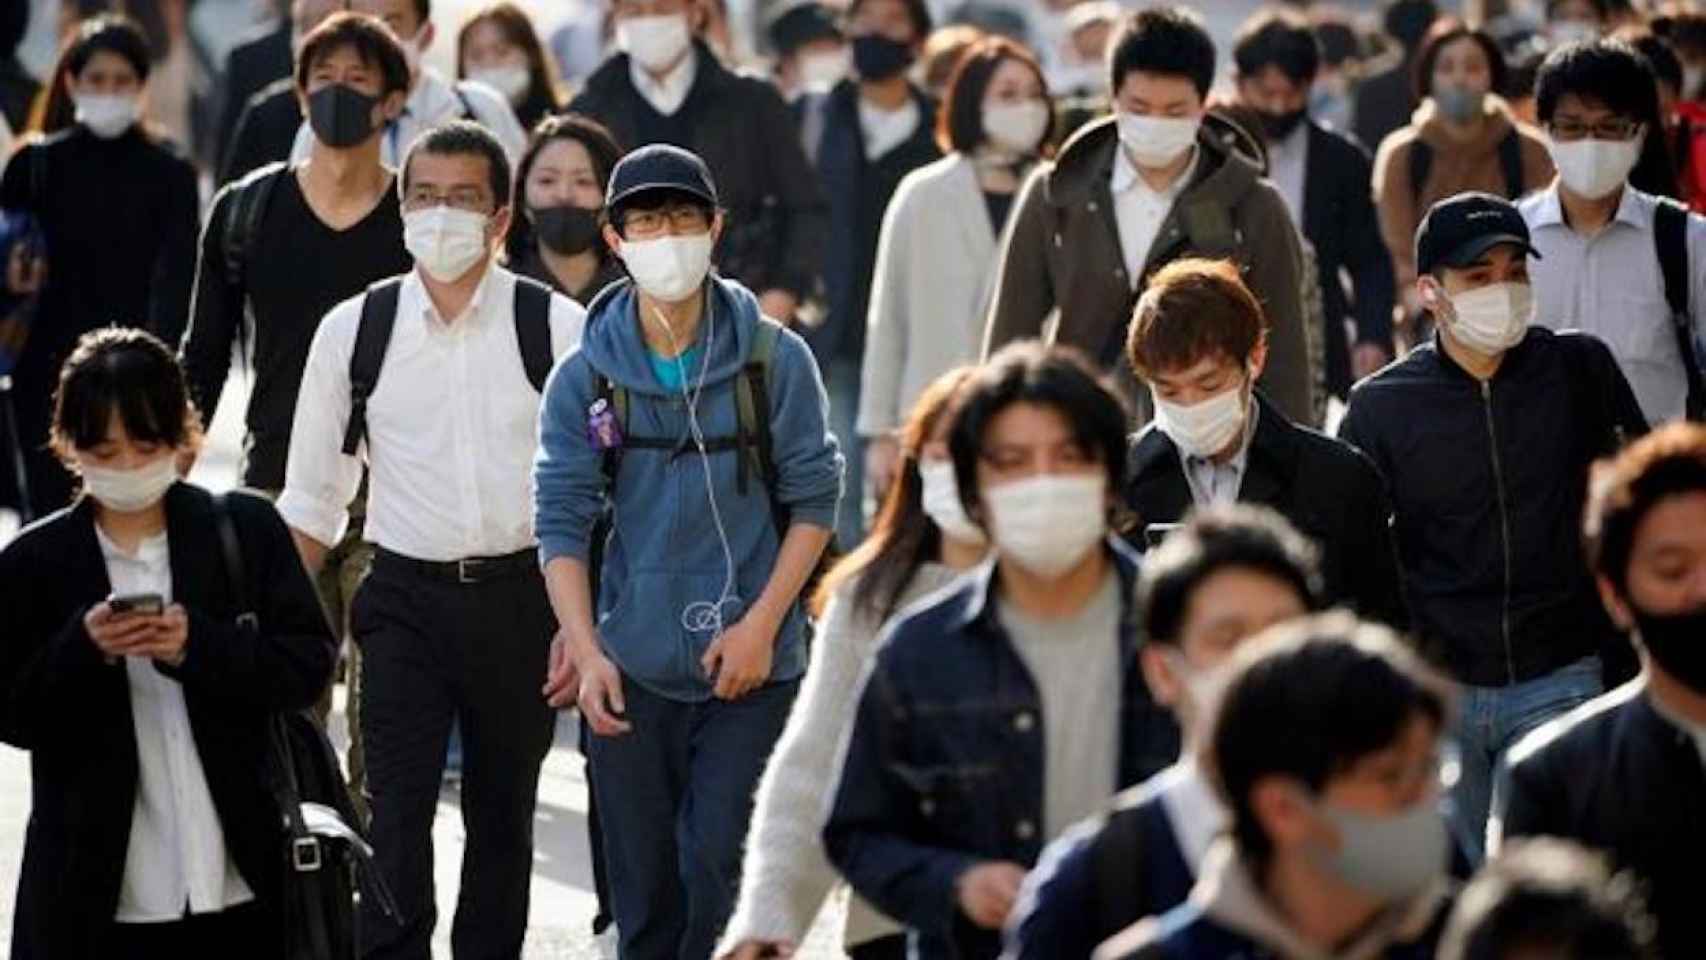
(1458, 230)
(659, 166)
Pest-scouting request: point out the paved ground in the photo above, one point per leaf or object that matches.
(563, 903)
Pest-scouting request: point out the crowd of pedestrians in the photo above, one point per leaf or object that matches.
(1078, 486)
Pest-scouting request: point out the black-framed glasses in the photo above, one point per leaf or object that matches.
(679, 217)
(470, 199)
(1613, 128)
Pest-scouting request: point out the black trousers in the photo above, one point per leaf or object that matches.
(247, 931)
(434, 652)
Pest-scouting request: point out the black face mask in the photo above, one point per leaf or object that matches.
(341, 116)
(566, 230)
(1677, 643)
(878, 58)
(1278, 126)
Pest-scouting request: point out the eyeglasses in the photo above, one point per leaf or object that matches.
(682, 217)
(470, 199)
(1610, 129)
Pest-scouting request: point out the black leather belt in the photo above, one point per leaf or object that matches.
(467, 571)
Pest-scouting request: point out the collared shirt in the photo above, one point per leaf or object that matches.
(886, 129)
(666, 94)
(176, 862)
(1212, 482)
(1140, 210)
(434, 102)
(451, 427)
(1288, 160)
(1609, 284)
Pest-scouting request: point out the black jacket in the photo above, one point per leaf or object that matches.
(1384, 103)
(1340, 221)
(1327, 489)
(1488, 481)
(1617, 776)
(858, 191)
(743, 131)
(71, 710)
(249, 69)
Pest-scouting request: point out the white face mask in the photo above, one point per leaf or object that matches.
(1595, 168)
(445, 242)
(1492, 319)
(511, 81)
(1572, 31)
(1157, 141)
(820, 71)
(1205, 428)
(942, 503)
(128, 491)
(1204, 687)
(670, 269)
(106, 115)
(654, 42)
(1046, 524)
(1016, 127)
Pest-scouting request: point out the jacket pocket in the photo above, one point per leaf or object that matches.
(661, 624)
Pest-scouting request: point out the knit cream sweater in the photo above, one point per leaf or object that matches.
(786, 875)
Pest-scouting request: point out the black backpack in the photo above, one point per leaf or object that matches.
(1510, 162)
(1670, 242)
(373, 336)
(251, 198)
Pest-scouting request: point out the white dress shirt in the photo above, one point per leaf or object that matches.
(452, 427)
(1610, 285)
(176, 862)
(1140, 210)
(886, 129)
(667, 93)
(433, 103)
(1288, 160)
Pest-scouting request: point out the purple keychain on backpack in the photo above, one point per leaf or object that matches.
(601, 429)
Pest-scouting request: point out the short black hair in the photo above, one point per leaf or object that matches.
(113, 33)
(1668, 462)
(1170, 41)
(129, 372)
(1551, 896)
(1059, 378)
(1222, 537)
(1407, 21)
(1608, 71)
(1309, 700)
(372, 41)
(654, 199)
(1660, 55)
(1444, 33)
(463, 138)
(917, 10)
(1339, 40)
(959, 124)
(1278, 38)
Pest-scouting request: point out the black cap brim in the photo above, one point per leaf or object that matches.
(1473, 250)
(671, 186)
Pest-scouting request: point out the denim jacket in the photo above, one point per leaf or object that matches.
(945, 766)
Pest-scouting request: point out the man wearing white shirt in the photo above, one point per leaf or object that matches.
(454, 623)
(433, 100)
(1598, 267)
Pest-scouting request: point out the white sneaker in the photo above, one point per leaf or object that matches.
(607, 943)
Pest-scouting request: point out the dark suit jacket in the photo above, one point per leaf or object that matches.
(248, 70)
(1340, 221)
(1384, 103)
(1326, 488)
(265, 132)
(61, 701)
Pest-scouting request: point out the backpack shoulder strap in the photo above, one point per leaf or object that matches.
(752, 399)
(373, 335)
(1421, 163)
(533, 330)
(1670, 242)
(250, 199)
(616, 398)
(1510, 161)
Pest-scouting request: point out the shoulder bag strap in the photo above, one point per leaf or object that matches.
(1670, 240)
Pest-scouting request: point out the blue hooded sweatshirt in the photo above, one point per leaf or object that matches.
(664, 561)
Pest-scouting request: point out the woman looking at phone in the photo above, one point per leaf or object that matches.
(144, 706)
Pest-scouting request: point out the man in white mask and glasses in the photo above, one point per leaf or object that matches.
(684, 492)
(432, 380)
(1199, 340)
(1624, 265)
(1011, 706)
(1484, 437)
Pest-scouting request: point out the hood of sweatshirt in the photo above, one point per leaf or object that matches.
(614, 344)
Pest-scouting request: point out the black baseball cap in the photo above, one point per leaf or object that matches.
(1459, 229)
(659, 166)
(801, 24)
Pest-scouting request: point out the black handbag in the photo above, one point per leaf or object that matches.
(327, 861)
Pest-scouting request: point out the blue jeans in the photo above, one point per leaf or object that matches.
(1492, 719)
(841, 382)
(675, 797)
